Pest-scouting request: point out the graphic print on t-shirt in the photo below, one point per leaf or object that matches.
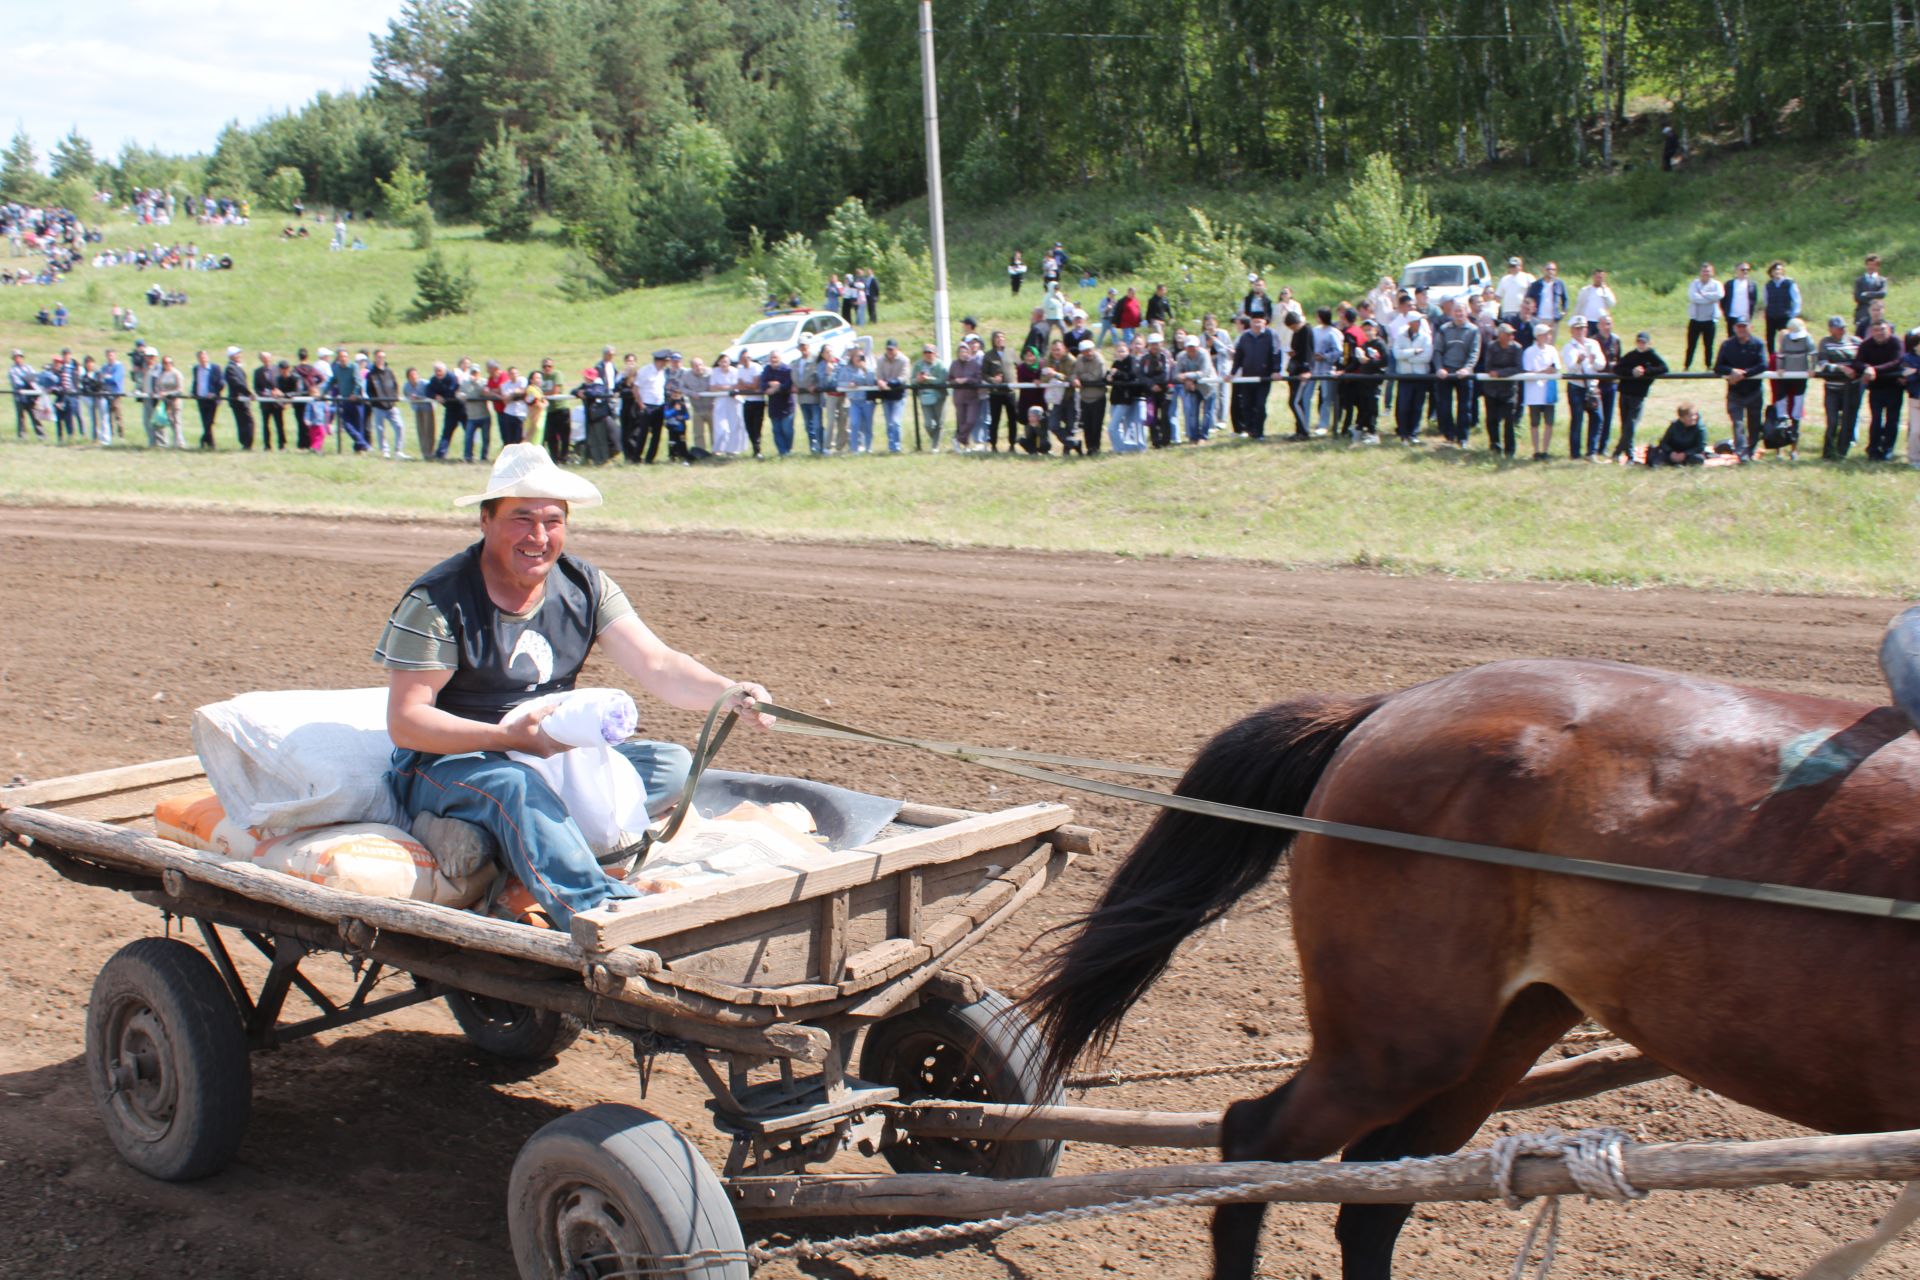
(534, 648)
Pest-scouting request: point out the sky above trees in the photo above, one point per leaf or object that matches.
(169, 73)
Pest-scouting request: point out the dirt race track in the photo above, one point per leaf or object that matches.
(382, 1150)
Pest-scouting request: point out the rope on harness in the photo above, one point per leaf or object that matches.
(1861, 904)
(705, 749)
(1594, 1161)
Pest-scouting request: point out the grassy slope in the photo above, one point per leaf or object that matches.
(1812, 530)
(1848, 529)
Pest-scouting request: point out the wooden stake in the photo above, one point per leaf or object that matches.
(1664, 1166)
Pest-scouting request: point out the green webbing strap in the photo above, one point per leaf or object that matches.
(816, 727)
(1588, 868)
(704, 751)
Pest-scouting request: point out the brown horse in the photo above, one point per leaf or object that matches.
(1432, 984)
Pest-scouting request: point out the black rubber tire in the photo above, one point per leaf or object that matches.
(515, 1032)
(986, 1051)
(620, 1185)
(167, 1058)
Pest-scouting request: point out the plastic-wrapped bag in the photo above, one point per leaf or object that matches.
(300, 758)
(363, 857)
(599, 786)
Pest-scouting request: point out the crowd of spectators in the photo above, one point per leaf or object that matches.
(52, 241)
(1127, 377)
(1432, 369)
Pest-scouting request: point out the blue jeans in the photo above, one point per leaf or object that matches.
(483, 425)
(1583, 421)
(352, 420)
(890, 412)
(859, 426)
(1328, 395)
(527, 820)
(810, 416)
(1197, 408)
(383, 420)
(782, 432)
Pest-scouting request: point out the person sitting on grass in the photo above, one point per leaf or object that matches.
(510, 619)
(1685, 442)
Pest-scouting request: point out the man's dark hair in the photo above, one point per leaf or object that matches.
(1325, 314)
(492, 505)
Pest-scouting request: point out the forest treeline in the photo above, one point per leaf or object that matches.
(659, 132)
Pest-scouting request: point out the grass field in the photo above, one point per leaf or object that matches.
(1809, 528)
(1819, 208)
(1849, 529)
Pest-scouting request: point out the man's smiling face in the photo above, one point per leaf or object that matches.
(523, 538)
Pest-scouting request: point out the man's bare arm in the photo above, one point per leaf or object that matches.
(416, 724)
(667, 674)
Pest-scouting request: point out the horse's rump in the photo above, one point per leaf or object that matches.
(1799, 1012)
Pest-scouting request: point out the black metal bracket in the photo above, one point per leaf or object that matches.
(261, 1012)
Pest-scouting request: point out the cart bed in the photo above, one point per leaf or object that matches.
(855, 933)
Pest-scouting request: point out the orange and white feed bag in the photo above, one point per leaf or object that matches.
(362, 857)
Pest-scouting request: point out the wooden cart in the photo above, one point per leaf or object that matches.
(813, 1004)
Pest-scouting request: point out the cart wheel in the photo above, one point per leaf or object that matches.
(614, 1191)
(167, 1057)
(986, 1051)
(516, 1032)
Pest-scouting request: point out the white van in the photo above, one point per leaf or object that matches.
(1450, 276)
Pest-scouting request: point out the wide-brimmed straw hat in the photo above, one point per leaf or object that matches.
(528, 471)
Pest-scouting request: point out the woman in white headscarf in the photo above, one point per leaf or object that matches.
(729, 427)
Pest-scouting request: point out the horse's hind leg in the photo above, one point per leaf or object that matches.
(1535, 1019)
(1336, 1099)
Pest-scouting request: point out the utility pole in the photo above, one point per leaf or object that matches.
(936, 212)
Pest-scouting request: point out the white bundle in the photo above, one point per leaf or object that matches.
(599, 786)
(280, 761)
(587, 717)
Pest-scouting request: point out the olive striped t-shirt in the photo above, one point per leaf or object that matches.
(417, 637)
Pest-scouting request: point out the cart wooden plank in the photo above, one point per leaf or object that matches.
(645, 919)
(103, 782)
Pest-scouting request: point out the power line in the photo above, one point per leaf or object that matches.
(1461, 37)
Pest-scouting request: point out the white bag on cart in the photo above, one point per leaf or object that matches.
(599, 786)
(280, 761)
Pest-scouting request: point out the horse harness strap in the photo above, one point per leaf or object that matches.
(1020, 765)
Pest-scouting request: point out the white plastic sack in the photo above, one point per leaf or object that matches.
(301, 758)
(599, 786)
(587, 717)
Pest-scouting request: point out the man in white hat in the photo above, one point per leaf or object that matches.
(510, 619)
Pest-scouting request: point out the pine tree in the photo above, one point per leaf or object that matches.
(73, 158)
(500, 195)
(236, 164)
(20, 178)
(443, 288)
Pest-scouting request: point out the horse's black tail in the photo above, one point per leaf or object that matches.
(1188, 869)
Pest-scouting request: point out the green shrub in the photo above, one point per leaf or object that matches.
(1498, 220)
(1649, 192)
(789, 267)
(443, 287)
(1383, 224)
(403, 200)
(381, 313)
(1204, 269)
(987, 168)
(285, 186)
(853, 237)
